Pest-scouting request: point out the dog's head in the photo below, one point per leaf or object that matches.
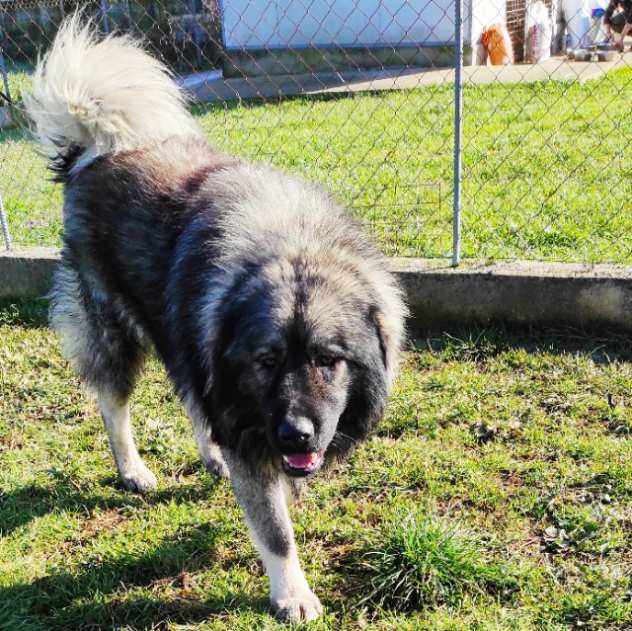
(303, 362)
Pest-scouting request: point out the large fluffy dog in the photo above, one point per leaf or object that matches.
(278, 323)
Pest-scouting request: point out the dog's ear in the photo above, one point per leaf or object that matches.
(377, 320)
(389, 334)
(365, 405)
(219, 386)
(369, 385)
(220, 396)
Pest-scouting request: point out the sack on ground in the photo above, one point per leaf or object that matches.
(539, 33)
(497, 44)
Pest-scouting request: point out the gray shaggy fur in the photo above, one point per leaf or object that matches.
(277, 321)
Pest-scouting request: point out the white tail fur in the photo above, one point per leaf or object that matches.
(103, 95)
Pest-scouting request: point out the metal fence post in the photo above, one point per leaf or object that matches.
(5, 226)
(458, 121)
(3, 217)
(5, 80)
(5, 75)
(105, 22)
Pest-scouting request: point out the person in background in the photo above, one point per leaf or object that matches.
(618, 19)
(572, 24)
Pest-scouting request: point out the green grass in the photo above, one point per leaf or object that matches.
(425, 561)
(19, 75)
(496, 495)
(546, 168)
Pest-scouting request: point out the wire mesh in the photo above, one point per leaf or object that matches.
(359, 95)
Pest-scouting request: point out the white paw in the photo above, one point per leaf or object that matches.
(214, 460)
(297, 607)
(217, 467)
(138, 479)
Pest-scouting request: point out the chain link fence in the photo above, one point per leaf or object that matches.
(488, 129)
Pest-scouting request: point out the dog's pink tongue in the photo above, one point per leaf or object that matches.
(300, 461)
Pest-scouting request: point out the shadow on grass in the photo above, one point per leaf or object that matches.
(150, 613)
(14, 134)
(462, 343)
(480, 343)
(31, 314)
(58, 600)
(23, 505)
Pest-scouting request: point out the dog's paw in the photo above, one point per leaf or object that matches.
(139, 479)
(214, 461)
(217, 467)
(297, 607)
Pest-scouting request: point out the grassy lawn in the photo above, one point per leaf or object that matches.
(19, 75)
(496, 495)
(546, 168)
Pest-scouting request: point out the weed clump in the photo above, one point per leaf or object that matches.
(424, 562)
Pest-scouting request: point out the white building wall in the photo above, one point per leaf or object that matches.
(303, 23)
(485, 13)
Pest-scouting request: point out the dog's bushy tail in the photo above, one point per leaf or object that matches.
(92, 96)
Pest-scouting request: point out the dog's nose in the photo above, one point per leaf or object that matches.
(295, 433)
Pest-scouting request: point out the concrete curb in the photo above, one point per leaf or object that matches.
(440, 297)
(26, 273)
(5, 117)
(518, 293)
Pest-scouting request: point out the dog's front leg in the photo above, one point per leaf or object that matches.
(261, 495)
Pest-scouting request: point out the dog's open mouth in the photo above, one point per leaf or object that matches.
(302, 464)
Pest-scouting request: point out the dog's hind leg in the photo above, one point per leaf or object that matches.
(262, 497)
(106, 350)
(134, 474)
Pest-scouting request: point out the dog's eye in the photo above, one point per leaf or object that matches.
(326, 360)
(268, 360)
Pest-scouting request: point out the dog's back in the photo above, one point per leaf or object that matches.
(118, 135)
(124, 214)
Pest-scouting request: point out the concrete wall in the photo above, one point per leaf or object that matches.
(284, 37)
(441, 297)
(518, 293)
(26, 273)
